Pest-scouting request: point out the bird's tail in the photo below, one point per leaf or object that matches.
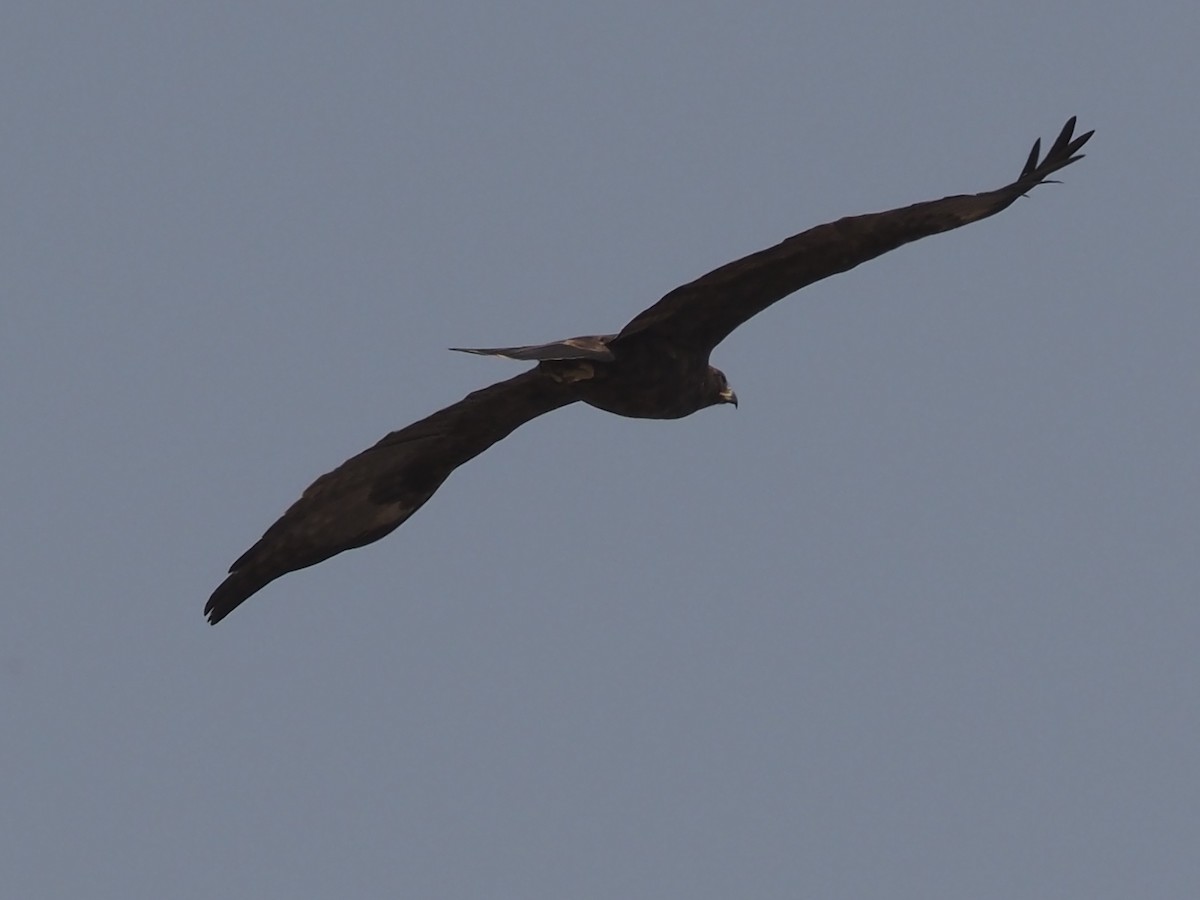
(591, 347)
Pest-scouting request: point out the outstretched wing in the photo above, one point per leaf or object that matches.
(701, 314)
(373, 493)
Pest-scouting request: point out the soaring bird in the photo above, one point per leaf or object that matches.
(656, 367)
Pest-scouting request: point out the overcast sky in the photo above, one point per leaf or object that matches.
(919, 620)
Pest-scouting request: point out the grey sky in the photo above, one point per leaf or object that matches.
(919, 620)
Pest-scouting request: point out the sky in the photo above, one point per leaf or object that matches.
(919, 620)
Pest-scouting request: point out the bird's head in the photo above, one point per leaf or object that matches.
(719, 389)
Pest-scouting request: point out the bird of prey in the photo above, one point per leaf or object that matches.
(656, 367)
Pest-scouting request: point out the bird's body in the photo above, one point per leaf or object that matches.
(656, 367)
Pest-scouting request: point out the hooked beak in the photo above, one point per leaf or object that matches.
(728, 396)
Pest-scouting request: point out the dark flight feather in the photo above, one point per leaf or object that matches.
(373, 493)
(656, 367)
(702, 313)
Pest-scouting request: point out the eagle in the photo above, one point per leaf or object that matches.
(656, 367)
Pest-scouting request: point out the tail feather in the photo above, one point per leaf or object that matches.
(589, 347)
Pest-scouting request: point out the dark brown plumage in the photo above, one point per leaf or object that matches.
(655, 368)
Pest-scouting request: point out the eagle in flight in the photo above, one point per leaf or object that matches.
(656, 367)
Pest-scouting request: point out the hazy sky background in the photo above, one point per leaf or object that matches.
(919, 620)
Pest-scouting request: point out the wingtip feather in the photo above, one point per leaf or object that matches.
(1062, 153)
(1032, 160)
(232, 593)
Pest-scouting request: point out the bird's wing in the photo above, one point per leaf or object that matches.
(373, 493)
(702, 313)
